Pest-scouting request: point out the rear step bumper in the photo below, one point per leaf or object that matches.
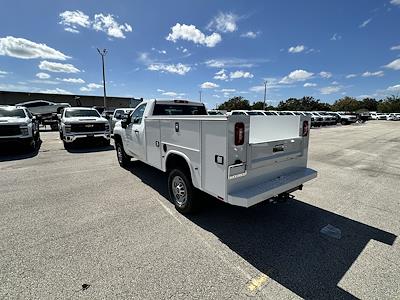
(266, 190)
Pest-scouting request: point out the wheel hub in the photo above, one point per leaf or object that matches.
(179, 190)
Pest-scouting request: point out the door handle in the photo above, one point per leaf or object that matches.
(157, 144)
(136, 131)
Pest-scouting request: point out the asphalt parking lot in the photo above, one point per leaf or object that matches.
(73, 218)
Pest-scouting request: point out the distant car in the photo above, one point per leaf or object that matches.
(18, 125)
(316, 119)
(118, 116)
(380, 116)
(79, 123)
(344, 118)
(392, 117)
(214, 112)
(43, 108)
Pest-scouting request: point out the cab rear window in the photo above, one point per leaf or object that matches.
(179, 110)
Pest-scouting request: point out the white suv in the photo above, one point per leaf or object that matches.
(83, 123)
(18, 125)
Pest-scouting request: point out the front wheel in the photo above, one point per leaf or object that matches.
(123, 158)
(181, 191)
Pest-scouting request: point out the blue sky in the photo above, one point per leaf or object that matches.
(174, 49)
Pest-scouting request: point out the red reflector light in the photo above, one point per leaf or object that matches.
(306, 128)
(239, 134)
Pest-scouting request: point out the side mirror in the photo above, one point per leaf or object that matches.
(59, 116)
(34, 118)
(125, 120)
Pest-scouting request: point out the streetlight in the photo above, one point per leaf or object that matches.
(265, 93)
(200, 95)
(102, 54)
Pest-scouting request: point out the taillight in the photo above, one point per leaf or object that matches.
(239, 134)
(306, 128)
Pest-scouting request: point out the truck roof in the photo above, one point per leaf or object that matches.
(177, 102)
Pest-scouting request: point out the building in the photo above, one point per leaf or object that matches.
(12, 98)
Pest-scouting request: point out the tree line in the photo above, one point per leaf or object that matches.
(387, 105)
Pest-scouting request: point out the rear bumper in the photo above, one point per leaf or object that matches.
(72, 137)
(266, 190)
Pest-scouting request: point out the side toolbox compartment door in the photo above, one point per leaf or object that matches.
(153, 143)
(214, 158)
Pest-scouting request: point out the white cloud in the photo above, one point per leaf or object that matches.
(394, 88)
(351, 76)
(209, 85)
(336, 37)
(3, 72)
(160, 90)
(373, 74)
(330, 90)
(240, 74)
(184, 50)
(325, 74)
(173, 94)
(170, 94)
(365, 23)
(216, 96)
(72, 30)
(220, 75)
(228, 90)
(179, 68)
(109, 25)
(297, 49)
(191, 33)
(72, 20)
(57, 67)
(71, 80)
(55, 91)
(90, 87)
(26, 49)
(250, 34)
(395, 65)
(233, 62)
(297, 75)
(334, 82)
(395, 2)
(395, 47)
(257, 88)
(309, 84)
(224, 22)
(42, 75)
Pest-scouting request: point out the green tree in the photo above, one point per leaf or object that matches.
(347, 104)
(259, 105)
(389, 105)
(235, 103)
(305, 104)
(369, 104)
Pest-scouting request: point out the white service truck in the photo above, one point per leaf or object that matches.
(241, 160)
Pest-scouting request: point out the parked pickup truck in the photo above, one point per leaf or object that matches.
(241, 160)
(344, 118)
(78, 123)
(17, 125)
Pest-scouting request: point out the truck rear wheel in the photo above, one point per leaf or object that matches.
(181, 191)
(123, 158)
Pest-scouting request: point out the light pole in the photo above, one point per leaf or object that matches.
(265, 93)
(200, 95)
(102, 54)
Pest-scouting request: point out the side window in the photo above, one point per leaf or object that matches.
(235, 113)
(118, 114)
(137, 115)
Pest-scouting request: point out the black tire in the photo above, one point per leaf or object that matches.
(54, 126)
(32, 144)
(181, 191)
(123, 158)
(343, 122)
(106, 142)
(66, 145)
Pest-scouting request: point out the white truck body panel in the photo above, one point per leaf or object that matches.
(271, 161)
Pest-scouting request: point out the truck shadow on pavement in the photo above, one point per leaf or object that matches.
(88, 147)
(283, 240)
(11, 152)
